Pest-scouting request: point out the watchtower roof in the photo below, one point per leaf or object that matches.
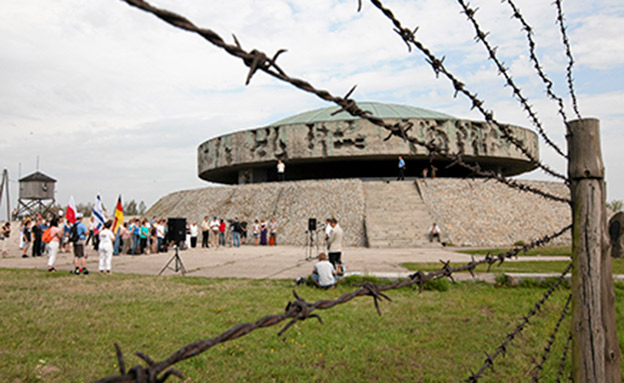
(37, 177)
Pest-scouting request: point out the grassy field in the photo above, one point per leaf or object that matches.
(61, 328)
(617, 266)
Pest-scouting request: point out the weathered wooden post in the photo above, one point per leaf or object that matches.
(596, 353)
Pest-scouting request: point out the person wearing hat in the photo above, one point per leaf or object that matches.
(80, 257)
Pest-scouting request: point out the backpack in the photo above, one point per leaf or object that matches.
(47, 235)
(73, 233)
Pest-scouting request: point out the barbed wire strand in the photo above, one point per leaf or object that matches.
(299, 310)
(502, 349)
(409, 36)
(564, 357)
(568, 50)
(536, 64)
(504, 71)
(257, 60)
(551, 340)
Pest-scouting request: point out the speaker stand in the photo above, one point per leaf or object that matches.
(178, 265)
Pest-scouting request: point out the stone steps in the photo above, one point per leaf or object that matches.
(395, 215)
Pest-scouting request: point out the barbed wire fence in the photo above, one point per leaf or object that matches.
(299, 309)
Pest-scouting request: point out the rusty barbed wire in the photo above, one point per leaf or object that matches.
(551, 340)
(536, 64)
(564, 357)
(510, 182)
(502, 349)
(568, 50)
(299, 310)
(438, 67)
(504, 71)
(257, 60)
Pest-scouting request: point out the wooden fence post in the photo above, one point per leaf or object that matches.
(596, 353)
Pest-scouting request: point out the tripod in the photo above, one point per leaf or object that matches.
(311, 245)
(178, 266)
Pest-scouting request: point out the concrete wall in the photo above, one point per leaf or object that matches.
(291, 203)
(469, 211)
(476, 212)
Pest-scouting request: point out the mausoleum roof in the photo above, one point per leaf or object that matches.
(377, 109)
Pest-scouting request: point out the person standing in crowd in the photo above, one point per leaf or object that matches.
(256, 232)
(272, 232)
(153, 242)
(80, 256)
(263, 232)
(5, 233)
(205, 228)
(194, 233)
(135, 230)
(214, 227)
(281, 170)
(118, 241)
(143, 234)
(126, 238)
(25, 237)
(243, 227)
(401, 176)
(334, 244)
(328, 229)
(36, 234)
(236, 230)
(65, 240)
(160, 235)
(45, 224)
(56, 234)
(105, 247)
(222, 228)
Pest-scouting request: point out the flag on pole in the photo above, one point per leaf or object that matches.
(98, 213)
(118, 215)
(70, 212)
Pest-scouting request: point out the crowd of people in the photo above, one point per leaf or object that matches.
(138, 236)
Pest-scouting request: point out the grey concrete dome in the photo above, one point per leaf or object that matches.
(320, 145)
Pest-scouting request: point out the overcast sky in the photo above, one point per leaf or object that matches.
(115, 101)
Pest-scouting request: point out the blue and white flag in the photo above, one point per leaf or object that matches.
(98, 213)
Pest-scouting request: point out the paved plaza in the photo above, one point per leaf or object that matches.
(257, 262)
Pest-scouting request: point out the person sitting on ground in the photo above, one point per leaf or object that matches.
(324, 274)
(434, 231)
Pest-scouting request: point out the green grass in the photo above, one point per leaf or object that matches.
(617, 266)
(547, 250)
(61, 328)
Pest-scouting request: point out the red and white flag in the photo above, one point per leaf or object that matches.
(70, 212)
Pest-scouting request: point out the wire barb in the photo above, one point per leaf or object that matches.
(504, 71)
(489, 361)
(551, 340)
(568, 50)
(438, 67)
(373, 291)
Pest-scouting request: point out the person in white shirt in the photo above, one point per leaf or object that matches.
(434, 231)
(214, 228)
(105, 247)
(281, 171)
(194, 234)
(324, 274)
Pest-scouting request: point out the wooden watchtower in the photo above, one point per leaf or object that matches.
(36, 194)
